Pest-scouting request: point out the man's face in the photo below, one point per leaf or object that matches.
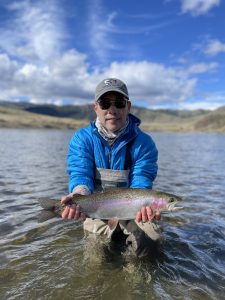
(112, 118)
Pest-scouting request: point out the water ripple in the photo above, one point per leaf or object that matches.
(52, 259)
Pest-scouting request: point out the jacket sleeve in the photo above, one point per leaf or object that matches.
(80, 161)
(144, 162)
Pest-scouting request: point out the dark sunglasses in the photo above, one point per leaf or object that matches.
(105, 103)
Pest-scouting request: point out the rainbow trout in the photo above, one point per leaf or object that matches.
(118, 203)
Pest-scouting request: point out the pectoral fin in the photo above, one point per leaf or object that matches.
(113, 223)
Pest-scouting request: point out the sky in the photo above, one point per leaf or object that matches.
(170, 53)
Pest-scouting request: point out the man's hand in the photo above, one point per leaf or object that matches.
(73, 211)
(147, 214)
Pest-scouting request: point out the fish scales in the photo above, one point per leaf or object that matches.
(120, 203)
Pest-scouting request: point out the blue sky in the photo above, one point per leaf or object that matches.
(170, 53)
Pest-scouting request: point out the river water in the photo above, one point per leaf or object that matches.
(55, 260)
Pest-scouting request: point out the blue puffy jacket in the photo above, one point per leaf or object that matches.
(88, 150)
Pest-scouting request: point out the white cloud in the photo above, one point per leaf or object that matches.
(153, 82)
(44, 73)
(39, 30)
(103, 32)
(67, 77)
(198, 7)
(98, 28)
(209, 101)
(7, 68)
(64, 77)
(214, 47)
(202, 68)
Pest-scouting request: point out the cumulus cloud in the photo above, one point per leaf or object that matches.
(62, 78)
(214, 47)
(153, 82)
(67, 77)
(44, 73)
(198, 7)
(34, 65)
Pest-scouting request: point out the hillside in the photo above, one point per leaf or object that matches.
(214, 121)
(18, 118)
(25, 115)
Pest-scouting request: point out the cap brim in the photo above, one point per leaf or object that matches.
(111, 90)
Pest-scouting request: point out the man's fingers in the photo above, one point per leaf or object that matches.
(65, 212)
(150, 213)
(144, 216)
(66, 198)
(138, 216)
(147, 214)
(72, 213)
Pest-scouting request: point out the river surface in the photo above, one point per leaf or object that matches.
(54, 259)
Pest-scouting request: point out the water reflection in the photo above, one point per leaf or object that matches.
(56, 260)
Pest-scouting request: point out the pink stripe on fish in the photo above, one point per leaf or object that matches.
(158, 203)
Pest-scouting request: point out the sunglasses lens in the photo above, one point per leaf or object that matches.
(120, 103)
(106, 103)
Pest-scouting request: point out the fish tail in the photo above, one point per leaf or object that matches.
(48, 204)
(45, 215)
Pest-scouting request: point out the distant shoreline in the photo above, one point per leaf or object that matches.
(159, 121)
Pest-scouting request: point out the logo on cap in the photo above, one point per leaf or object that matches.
(110, 82)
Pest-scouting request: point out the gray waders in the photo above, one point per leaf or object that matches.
(142, 239)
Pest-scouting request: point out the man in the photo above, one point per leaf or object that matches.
(114, 152)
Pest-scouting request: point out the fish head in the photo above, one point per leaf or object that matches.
(165, 202)
(174, 198)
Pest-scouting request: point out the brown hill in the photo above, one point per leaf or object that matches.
(213, 121)
(18, 118)
(25, 115)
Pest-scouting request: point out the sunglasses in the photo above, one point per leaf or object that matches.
(105, 103)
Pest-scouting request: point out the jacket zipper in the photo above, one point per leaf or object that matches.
(109, 157)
